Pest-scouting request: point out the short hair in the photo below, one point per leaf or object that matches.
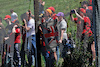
(84, 2)
(11, 10)
(0, 19)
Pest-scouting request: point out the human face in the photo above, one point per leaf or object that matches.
(60, 18)
(47, 13)
(27, 14)
(7, 21)
(85, 6)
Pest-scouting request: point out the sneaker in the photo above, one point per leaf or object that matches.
(93, 63)
(68, 52)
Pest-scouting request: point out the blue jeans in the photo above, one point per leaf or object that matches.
(58, 53)
(32, 50)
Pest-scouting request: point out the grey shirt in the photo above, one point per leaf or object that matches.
(63, 26)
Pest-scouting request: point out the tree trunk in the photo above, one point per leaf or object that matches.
(36, 14)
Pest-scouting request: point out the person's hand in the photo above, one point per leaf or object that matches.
(6, 38)
(75, 11)
(0, 28)
(43, 20)
(15, 26)
(40, 28)
(43, 3)
(23, 26)
(60, 41)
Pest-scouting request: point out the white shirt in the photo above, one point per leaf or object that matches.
(14, 16)
(31, 25)
(63, 25)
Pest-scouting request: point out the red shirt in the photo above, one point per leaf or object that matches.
(87, 29)
(17, 36)
(87, 21)
(90, 7)
(90, 3)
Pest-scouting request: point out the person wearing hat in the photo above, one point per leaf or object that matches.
(50, 56)
(48, 14)
(52, 8)
(62, 31)
(82, 16)
(53, 12)
(10, 38)
(79, 23)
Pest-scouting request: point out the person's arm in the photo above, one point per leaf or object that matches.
(63, 28)
(16, 16)
(71, 16)
(14, 30)
(26, 27)
(78, 15)
(6, 38)
(62, 31)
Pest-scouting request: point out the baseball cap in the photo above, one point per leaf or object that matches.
(52, 8)
(7, 16)
(60, 14)
(48, 10)
(83, 10)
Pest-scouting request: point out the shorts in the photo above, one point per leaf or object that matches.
(54, 49)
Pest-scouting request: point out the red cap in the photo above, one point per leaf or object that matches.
(52, 8)
(7, 16)
(83, 10)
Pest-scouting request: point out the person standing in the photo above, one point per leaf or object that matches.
(17, 44)
(62, 30)
(14, 16)
(31, 39)
(2, 35)
(41, 7)
(10, 38)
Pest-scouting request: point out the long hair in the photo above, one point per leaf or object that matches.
(64, 19)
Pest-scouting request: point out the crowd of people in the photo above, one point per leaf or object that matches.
(52, 32)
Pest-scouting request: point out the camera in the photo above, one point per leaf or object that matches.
(72, 11)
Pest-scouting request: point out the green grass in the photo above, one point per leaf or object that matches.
(19, 6)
